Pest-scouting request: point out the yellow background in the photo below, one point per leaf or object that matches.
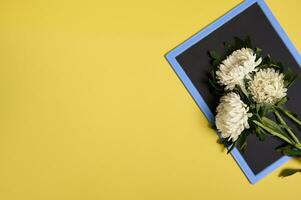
(90, 109)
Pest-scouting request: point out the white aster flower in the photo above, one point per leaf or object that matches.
(232, 116)
(267, 86)
(235, 68)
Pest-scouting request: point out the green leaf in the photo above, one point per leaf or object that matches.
(242, 141)
(213, 126)
(282, 101)
(290, 151)
(284, 126)
(288, 74)
(289, 78)
(260, 133)
(215, 87)
(265, 109)
(228, 48)
(281, 67)
(248, 42)
(292, 116)
(266, 60)
(231, 147)
(213, 84)
(215, 55)
(288, 83)
(258, 52)
(273, 125)
(257, 108)
(238, 43)
(288, 172)
(215, 63)
(275, 66)
(212, 77)
(283, 146)
(227, 143)
(274, 129)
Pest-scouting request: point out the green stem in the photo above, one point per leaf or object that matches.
(289, 115)
(244, 90)
(289, 131)
(274, 133)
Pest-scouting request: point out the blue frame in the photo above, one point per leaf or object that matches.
(171, 57)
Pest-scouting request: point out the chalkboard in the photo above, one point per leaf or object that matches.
(195, 62)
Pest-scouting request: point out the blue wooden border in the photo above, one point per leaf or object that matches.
(171, 57)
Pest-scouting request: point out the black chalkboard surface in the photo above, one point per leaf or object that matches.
(195, 62)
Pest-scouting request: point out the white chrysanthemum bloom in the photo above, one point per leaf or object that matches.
(267, 86)
(235, 68)
(232, 116)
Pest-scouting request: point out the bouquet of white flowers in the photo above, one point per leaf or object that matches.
(252, 88)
